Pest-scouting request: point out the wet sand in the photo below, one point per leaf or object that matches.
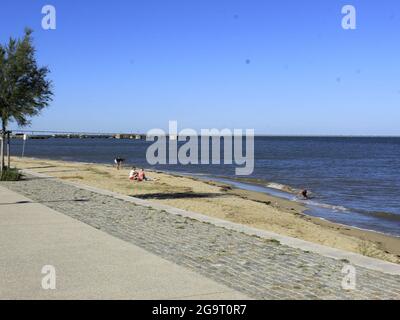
(221, 200)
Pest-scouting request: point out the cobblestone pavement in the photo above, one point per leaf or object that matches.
(262, 269)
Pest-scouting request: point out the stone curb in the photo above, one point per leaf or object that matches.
(338, 254)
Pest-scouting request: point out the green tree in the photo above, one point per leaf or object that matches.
(24, 87)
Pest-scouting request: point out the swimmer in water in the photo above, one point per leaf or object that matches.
(304, 193)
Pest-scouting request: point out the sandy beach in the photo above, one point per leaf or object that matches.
(222, 201)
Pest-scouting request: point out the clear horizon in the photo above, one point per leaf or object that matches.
(286, 68)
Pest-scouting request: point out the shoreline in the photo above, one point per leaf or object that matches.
(221, 200)
(291, 194)
(283, 194)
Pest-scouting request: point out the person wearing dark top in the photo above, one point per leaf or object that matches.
(118, 162)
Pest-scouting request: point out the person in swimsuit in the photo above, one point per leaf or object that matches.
(141, 175)
(133, 175)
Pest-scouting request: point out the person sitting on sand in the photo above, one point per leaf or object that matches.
(133, 174)
(141, 175)
(118, 161)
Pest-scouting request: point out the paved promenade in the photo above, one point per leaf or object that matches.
(89, 264)
(256, 267)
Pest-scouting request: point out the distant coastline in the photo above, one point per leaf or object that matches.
(127, 134)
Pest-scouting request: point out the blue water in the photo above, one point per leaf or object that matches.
(354, 181)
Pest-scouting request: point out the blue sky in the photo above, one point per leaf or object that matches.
(280, 67)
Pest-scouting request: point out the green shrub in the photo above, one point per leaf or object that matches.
(10, 174)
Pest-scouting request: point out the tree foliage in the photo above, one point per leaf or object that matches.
(24, 87)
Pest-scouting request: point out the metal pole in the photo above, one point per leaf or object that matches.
(23, 145)
(2, 152)
(8, 150)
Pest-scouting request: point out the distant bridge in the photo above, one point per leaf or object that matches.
(45, 134)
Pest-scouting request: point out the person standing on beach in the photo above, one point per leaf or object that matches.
(118, 162)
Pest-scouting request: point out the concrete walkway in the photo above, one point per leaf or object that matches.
(89, 263)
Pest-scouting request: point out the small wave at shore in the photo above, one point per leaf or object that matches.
(279, 186)
(384, 215)
(324, 205)
(336, 208)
